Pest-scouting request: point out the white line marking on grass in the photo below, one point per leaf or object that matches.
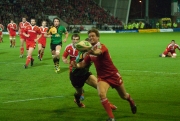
(32, 99)
(156, 72)
(151, 72)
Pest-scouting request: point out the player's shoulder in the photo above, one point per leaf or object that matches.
(69, 46)
(27, 22)
(177, 45)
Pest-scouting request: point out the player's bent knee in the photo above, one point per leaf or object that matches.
(57, 52)
(102, 95)
(163, 55)
(174, 55)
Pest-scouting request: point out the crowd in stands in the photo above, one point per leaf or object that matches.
(71, 11)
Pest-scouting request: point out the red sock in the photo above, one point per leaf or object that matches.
(28, 60)
(107, 107)
(21, 50)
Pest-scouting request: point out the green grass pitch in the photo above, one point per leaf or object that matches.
(39, 94)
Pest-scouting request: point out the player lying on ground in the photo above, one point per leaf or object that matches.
(170, 50)
(107, 73)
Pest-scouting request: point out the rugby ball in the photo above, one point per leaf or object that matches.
(83, 45)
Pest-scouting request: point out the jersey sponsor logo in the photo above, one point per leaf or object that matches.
(57, 35)
(32, 31)
(93, 56)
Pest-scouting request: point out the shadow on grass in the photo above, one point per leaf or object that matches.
(39, 64)
(3, 52)
(64, 69)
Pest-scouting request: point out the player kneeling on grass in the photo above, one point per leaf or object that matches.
(107, 73)
(170, 50)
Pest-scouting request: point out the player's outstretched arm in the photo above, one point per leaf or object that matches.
(38, 37)
(81, 64)
(95, 52)
(66, 36)
(65, 60)
(47, 35)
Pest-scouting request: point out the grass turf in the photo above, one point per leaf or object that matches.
(39, 94)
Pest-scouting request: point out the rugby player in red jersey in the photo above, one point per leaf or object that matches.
(22, 26)
(1, 32)
(170, 50)
(11, 28)
(42, 40)
(79, 77)
(32, 34)
(107, 73)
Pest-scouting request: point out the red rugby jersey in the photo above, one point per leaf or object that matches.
(103, 63)
(33, 31)
(43, 31)
(71, 52)
(22, 26)
(12, 28)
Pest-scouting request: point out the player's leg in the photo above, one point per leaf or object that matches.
(53, 52)
(42, 50)
(1, 38)
(13, 41)
(92, 81)
(22, 41)
(10, 39)
(30, 48)
(39, 49)
(124, 95)
(78, 84)
(164, 54)
(174, 54)
(57, 58)
(103, 87)
(77, 96)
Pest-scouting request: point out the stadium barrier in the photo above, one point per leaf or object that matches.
(85, 32)
(130, 31)
(166, 30)
(126, 31)
(148, 30)
(176, 29)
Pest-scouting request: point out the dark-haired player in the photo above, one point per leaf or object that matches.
(81, 76)
(32, 34)
(107, 73)
(42, 40)
(170, 50)
(56, 33)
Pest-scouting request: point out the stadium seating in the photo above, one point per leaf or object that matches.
(71, 11)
